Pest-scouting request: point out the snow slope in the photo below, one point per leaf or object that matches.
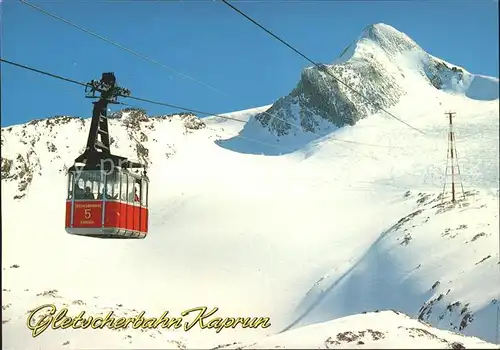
(483, 88)
(326, 230)
(384, 330)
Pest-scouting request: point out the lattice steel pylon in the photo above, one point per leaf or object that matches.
(452, 168)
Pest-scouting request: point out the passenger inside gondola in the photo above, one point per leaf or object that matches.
(105, 194)
(136, 196)
(88, 194)
(79, 192)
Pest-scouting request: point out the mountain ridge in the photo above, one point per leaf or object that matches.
(375, 65)
(300, 228)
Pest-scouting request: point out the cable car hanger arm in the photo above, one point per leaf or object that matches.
(98, 146)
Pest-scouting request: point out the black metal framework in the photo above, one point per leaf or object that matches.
(97, 154)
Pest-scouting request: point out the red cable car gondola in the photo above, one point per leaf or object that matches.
(106, 198)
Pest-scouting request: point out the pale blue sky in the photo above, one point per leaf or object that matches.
(210, 42)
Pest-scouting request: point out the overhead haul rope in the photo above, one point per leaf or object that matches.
(136, 98)
(190, 1)
(321, 68)
(314, 182)
(165, 104)
(299, 127)
(174, 106)
(121, 46)
(229, 118)
(162, 104)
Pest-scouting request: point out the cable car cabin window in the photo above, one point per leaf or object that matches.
(87, 177)
(111, 187)
(123, 194)
(82, 189)
(111, 192)
(113, 182)
(131, 189)
(98, 183)
(95, 183)
(71, 180)
(79, 189)
(144, 193)
(88, 189)
(108, 189)
(90, 185)
(138, 191)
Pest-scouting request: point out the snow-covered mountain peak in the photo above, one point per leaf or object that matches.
(378, 40)
(321, 239)
(380, 30)
(380, 68)
(388, 38)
